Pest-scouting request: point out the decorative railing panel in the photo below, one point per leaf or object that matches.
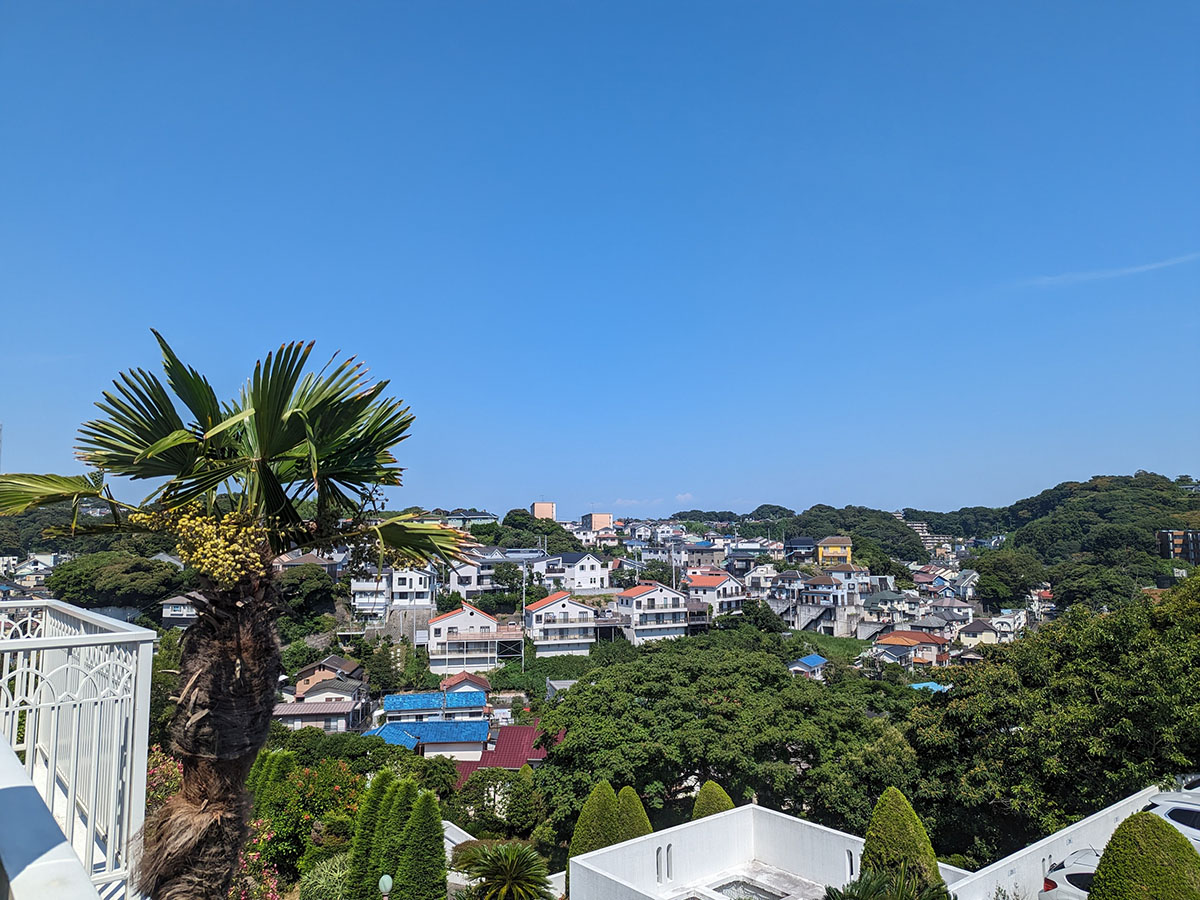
(74, 705)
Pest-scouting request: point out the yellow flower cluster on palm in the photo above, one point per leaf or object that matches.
(225, 550)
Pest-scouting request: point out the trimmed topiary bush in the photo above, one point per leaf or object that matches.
(1147, 858)
(895, 838)
(632, 814)
(358, 884)
(422, 871)
(597, 825)
(712, 799)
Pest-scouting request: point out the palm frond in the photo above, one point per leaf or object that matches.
(191, 387)
(422, 541)
(20, 493)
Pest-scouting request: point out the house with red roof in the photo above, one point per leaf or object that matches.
(723, 593)
(467, 640)
(560, 626)
(655, 612)
(911, 648)
(514, 749)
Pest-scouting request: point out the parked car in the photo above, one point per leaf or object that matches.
(1070, 879)
(1181, 809)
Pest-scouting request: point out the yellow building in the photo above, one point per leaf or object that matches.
(543, 509)
(833, 551)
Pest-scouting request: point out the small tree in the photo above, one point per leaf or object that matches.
(712, 799)
(509, 872)
(422, 871)
(327, 880)
(632, 814)
(597, 825)
(357, 883)
(406, 796)
(523, 806)
(1146, 857)
(377, 864)
(897, 840)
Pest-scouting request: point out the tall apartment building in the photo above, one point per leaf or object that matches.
(595, 521)
(544, 509)
(1183, 545)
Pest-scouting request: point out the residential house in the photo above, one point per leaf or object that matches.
(436, 706)
(702, 553)
(514, 749)
(289, 561)
(834, 550)
(178, 611)
(322, 670)
(811, 666)
(465, 681)
(978, 631)
(459, 518)
(953, 610)
(800, 549)
(464, 739)
(1009, 624)
(560, 626)
(759, 580)
(554, 687)
(466, 640)
(723, 593)
(932, 624)
(966, 584)
(407, 588)
(655, 611)
(922, 648)
(332, 717)
(577, 572)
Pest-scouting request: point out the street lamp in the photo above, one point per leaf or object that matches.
(385, 885)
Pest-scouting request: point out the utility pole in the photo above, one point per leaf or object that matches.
(524, 577)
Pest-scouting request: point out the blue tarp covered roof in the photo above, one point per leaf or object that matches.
(812, 661)
(435, 700)
(410, 734)
(930, 686)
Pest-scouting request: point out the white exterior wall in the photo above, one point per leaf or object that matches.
(469, 751)
(572, 632)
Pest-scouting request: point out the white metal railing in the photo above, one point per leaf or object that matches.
(74, 705)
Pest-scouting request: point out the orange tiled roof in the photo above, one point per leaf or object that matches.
(455, 612)
(546, 601)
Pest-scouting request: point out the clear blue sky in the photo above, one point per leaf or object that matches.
(628, 256)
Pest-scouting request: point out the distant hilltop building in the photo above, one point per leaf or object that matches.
(594, 521)
(1183, 545)
(545, 509)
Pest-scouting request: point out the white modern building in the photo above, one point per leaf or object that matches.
(758, 853)
(723, 593)
(578, 572)
(374, 595)
(560, 626)
(468, 640)
(655, 611)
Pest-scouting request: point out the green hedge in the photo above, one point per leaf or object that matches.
(422, 871)
(712, 799)
(1147, 858)
(895, 837)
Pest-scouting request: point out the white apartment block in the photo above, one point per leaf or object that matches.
(560, 626)
(655, 611)
(373, 596)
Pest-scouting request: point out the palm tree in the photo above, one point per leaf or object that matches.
(898, 885)
(509, 872)
(295, 461)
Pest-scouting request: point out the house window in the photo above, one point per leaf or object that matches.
(658, 865)
(437, 632)
(670, 874)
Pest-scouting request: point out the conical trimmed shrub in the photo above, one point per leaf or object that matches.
(712, 799)
(422, 871)
(358, 886)
(632, 814)
(406, 796)
(895, 838)
(1146, 857)
(597, 825)
(383, 824)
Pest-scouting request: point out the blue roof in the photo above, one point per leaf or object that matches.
(930, 686)
(435, 700)
(812, 661)
(410, 734)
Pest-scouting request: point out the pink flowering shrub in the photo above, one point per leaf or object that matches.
(164, 776)
(255, 878)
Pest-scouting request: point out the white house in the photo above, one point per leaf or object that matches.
(178, 612)
(560, 626)
(723, 593)
(578, 572)
(393, 588)
(655, 611)
(466, 640)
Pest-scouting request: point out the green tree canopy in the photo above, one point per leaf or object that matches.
(116, 578)
(711, 800)
(1147, 858)
(896, 838)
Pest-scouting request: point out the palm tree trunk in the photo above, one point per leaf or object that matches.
(229, 673)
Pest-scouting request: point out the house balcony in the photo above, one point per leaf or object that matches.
(74, 708)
